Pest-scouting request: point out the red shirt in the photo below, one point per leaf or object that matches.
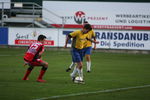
(33, 51)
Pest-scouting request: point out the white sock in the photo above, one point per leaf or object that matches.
(80, 72)
(72, 64)
(88, 63)
(73, 74)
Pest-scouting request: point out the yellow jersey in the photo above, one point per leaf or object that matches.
(79, 39)
(91, 34)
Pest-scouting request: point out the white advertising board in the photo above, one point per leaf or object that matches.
(139, 40)
(135, 40)
(115, 39)
(102, 15)
(25, 36)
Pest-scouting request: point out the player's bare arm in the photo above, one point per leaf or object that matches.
(93, 41)
(67, 39)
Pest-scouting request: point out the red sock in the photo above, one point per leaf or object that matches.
(41, 74)
(26, 74)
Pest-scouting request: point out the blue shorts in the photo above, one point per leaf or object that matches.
(87, 51)
(77, 55)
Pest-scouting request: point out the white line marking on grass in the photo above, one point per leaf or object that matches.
(5, 55)
(94, 92)
(12, 55)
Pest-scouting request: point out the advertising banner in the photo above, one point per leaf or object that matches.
(139, 40)
(26, 36)
(102, 15)
(114, 39)
(135, 40)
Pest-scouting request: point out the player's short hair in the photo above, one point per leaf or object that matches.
(85, 22)
(41, 37)
(88, 26)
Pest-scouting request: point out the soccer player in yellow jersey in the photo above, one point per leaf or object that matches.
(87, 50)
(79, 37)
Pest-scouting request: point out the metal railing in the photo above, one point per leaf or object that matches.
(26, 9)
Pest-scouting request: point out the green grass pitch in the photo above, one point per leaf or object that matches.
(109, 71)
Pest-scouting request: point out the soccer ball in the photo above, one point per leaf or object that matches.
(78, 79)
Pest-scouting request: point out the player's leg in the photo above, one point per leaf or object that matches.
(70, 67)
(73, 74)
(88, 58)
(73, 62)
(78, 57)
(43, 70)
(79, 69)
(79, 63)
(28, 71)
(88, 62)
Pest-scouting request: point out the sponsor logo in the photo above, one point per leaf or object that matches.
(123, 36)
(79, 17)
(27, 39)
(28, 42)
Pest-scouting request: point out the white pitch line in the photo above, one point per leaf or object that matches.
(94, 92)
(5, 55)
(12, 55)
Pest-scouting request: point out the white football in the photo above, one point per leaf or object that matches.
(78, 79)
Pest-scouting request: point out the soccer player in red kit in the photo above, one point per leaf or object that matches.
(32, 58)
